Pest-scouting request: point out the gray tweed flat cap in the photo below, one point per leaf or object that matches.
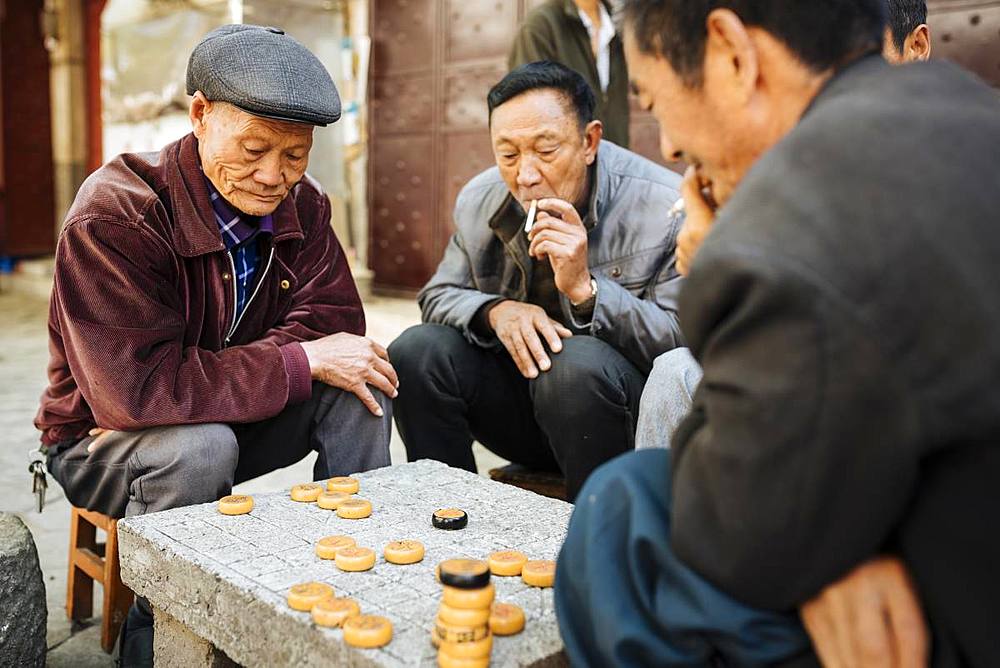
(264, 72)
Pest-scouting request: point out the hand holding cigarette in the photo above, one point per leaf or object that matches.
(558, 233)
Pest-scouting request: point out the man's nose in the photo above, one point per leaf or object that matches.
(669, 152)
(269, 172)
(528, 174)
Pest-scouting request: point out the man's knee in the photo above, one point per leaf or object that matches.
(675, 371)
(667, 398)
(422, 344)
(586, 367)
(206, 453)
(627, 475)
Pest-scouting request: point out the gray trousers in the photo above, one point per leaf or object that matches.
(133, 473)
(666, 399)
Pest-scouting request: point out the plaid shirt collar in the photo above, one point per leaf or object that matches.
(235, 226)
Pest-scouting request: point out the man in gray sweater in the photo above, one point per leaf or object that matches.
(840, 459)
(537, 341)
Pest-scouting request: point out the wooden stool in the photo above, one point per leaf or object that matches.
(89, 561)
(545, 483)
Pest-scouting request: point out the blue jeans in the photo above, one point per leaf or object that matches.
(623, 598)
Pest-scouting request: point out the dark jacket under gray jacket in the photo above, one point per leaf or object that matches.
(631, 254)
(846, 310)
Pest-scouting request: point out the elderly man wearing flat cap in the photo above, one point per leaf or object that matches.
(204, 326)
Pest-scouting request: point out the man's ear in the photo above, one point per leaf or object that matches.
(731, 61)
(918, 44)
(199, 109)
(592, 135)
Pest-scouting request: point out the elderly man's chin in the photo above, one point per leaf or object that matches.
(254, 205)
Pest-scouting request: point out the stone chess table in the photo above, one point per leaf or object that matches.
(219, 582)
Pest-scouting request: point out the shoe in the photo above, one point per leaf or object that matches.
(135, 641)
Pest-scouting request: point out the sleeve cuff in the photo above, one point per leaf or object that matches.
(297, 369)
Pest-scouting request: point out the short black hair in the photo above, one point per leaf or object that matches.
(904, 17)
(546, 74)
(821, 33)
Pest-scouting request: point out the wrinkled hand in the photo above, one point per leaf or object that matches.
(871, 617)
(559, 234)
(518, 326)
(700, 214)
(353, 363)
(101, 434)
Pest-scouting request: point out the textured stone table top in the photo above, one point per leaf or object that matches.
(226, 577)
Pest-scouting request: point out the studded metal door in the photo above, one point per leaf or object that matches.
(968, 33)
(433, 62)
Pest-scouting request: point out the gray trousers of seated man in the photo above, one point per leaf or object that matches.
(667, 398)
(133, 473)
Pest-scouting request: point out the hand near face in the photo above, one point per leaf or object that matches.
(521, 328)
(871, 617)
(697, 222)
(559, 235)
(352, 363)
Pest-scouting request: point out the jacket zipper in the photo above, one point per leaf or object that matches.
(237, 320)
(524, 272)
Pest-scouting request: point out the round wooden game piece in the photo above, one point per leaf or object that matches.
(452, 633)
(506, 619)
(354, 559)
(367, 631)
(331, 500)
(471, 599)
(446, 660)
(539, 573)
(475, 649)
(354, 509)
(327, 548)
(305, 595)
(507, 562)
(307, 492)
(236, 504)
(343, 484)
(449, 519)
(464, 616)
(404, 552)
(464, 573)
(333, 612)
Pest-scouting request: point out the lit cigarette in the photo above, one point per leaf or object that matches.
(532, 210)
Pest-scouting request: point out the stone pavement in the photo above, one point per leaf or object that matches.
(23, 357)
(226, 577)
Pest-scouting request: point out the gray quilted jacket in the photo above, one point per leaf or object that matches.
(631, 254)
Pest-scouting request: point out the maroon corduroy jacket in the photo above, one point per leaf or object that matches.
(141, 316)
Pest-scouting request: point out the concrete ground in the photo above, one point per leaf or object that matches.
(23, 358)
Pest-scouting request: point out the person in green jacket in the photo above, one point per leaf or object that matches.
(580, 35)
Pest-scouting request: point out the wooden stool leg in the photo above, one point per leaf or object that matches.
(79, 585)
(117, 597)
